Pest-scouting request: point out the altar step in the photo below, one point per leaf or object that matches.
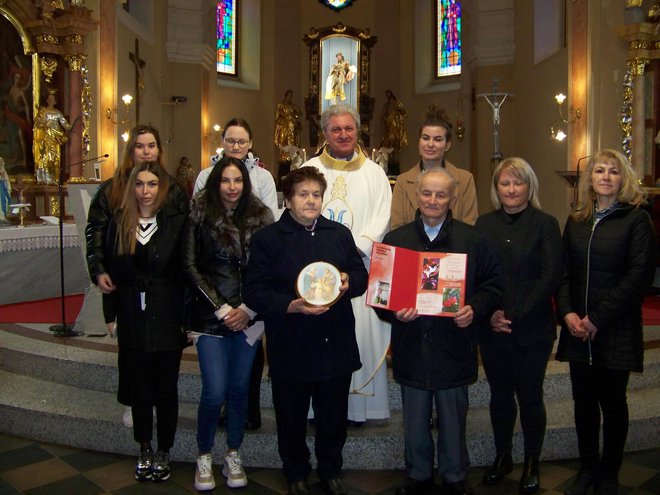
(63, 391)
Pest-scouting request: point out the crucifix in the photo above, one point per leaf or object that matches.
(495, 100)
(139, 82)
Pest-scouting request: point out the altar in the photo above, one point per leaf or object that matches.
(30, 263)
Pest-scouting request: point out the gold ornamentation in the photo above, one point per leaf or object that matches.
(339, 188)
(633, 3)
(54, 206)
(638, 66)
(365, 35)
(48, 67)
(75, 61)
(626, 110)
(86, 101)
(48, 39)
(339, 28)
(73, 39)
(641, 45)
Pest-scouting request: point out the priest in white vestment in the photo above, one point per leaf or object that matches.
(359, 196)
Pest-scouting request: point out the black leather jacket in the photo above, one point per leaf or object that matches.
(214, 259)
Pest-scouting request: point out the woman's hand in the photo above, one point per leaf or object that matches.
(407, 314)
(464, 316)
(590, 329)
(499, 323)
(104, 283)
(236, 320)
(300, 306)
(575, 325)
(344, 283)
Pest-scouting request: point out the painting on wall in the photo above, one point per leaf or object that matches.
(16, 101)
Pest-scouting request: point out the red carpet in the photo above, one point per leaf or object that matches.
(45, 311)
(50, 311)
(651, 310)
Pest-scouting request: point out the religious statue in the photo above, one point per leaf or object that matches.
(48, 7)
(394, 123)
(382, 157)
(287, 124)
(340, 73)
(5, 192)
(297, 156)
(50, 128)
(185, 176)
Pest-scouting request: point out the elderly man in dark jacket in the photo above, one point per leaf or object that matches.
(436, 357)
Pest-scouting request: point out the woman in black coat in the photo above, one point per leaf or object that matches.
(516, 346)
(312, 350)
(609, 261)
(142, 252)
(143, 145)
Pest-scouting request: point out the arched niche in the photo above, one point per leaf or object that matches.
(355, 45)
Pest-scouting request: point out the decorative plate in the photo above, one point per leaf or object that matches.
(318, 284)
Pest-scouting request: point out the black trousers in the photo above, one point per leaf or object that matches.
(515, 373)
(598, 389)
(254, 392)
(330, 404)
(154, 382)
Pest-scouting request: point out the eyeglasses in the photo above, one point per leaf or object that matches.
(240, 142)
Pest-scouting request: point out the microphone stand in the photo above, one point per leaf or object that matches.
(63, 329)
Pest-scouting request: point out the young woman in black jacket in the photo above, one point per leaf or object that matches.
(143, 145)
(223, 218)
(609, 253)
(142, 252)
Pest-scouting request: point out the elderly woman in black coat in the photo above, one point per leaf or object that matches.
(312, 350)
(516, 346)
(609, 252)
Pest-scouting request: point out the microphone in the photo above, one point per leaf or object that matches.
(89, 160)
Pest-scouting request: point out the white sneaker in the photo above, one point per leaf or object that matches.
(127, 418)
(233, 470)
(204, 473)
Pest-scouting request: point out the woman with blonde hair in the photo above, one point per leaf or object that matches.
(516, 347)
(609, 262)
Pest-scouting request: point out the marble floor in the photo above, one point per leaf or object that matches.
(34, 468)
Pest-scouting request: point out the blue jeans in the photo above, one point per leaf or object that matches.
(225, 364)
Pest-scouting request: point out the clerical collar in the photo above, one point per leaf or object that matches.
(339, 164)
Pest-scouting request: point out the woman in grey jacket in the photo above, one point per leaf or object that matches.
(609, 253)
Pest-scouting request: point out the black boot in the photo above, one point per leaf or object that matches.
(583, 482)
(502, 465)
(529, 481)
(608, 486)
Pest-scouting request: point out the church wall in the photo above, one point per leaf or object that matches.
(404, 31)
(533, 111)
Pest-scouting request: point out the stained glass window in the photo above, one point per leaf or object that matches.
(448, 29)
(226, 53)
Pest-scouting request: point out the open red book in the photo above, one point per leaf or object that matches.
(434, 283)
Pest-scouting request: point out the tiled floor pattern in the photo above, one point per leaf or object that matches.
(34, 468)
